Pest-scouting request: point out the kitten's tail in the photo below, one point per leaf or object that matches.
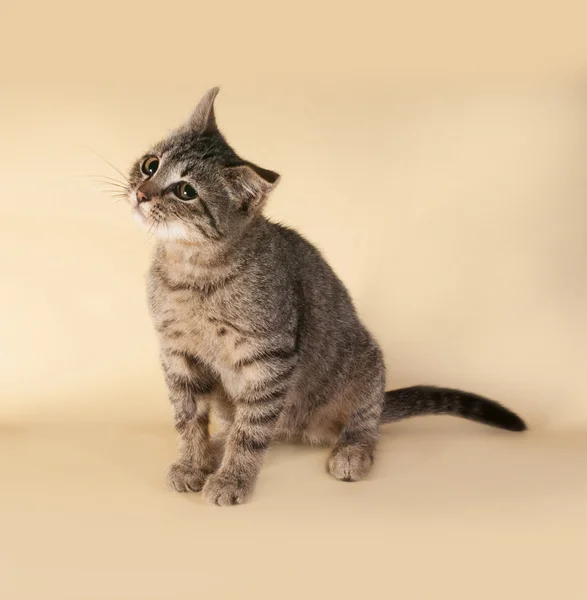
(429, 400)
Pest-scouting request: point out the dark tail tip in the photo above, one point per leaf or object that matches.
(495, 414)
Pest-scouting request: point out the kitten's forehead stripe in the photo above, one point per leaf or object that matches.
(188, 148)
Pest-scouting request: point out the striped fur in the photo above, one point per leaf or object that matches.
(254, 326)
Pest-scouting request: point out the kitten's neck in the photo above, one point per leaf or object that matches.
(209, 259)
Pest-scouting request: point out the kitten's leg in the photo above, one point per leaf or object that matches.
(222, 416)
(249, 436)
(352, 455)
(189, 385)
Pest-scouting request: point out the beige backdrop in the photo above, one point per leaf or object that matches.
(437, 157)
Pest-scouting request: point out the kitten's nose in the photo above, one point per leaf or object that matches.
(142, 197)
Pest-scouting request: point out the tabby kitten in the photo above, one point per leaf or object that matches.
(255, 326)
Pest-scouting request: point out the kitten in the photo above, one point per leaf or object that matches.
(254, 325)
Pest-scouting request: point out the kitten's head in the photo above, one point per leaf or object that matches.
(193, 187)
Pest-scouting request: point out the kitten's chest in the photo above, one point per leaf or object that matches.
(199, 324)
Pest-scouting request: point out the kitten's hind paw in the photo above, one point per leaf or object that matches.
(350, 463)
(183, 477)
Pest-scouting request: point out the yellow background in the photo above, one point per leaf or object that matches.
(436, 154)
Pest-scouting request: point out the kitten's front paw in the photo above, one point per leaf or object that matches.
(225, 490)
(183, 477)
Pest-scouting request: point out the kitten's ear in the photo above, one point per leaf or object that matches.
(253, 185)
(203, 120)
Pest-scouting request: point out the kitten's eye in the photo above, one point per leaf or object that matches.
(185, 191)
(150, 166)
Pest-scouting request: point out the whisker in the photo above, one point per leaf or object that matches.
(110, 180)
(105, 160)
(111, 183)
(116, 192)
(102, 176)
(94, 177)
(152, 230)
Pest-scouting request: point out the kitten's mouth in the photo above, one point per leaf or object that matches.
(132, 200)
(138, 209)
(138, 215)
